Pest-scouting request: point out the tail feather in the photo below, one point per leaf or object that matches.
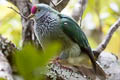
(100, 72)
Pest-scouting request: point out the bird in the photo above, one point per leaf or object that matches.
(50, 26)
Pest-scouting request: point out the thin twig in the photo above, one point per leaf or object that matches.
(55, 5)
(59, 2)
(18, 12)
(106, 40)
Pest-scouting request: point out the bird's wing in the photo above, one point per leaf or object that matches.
(74, 32)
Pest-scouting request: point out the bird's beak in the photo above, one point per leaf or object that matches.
(30, 16)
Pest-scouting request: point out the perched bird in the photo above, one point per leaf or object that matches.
(50, 26)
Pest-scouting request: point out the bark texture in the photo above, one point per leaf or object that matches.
(6, 49)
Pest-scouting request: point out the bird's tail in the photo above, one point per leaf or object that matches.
(100, 72)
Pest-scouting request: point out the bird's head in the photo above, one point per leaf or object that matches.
(36, 9)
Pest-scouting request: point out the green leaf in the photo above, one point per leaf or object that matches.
(31, 63)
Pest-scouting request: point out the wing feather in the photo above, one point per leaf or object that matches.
(74, 32)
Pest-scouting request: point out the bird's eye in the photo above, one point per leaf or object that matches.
(38, 10)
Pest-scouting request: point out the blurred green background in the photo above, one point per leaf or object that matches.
(98, 13)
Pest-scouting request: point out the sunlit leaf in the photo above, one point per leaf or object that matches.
(31, 62)
(2, 79)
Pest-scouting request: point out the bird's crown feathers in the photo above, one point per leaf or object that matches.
(38, 7)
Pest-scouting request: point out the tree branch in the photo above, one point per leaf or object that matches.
(60, 4)
(5, 69)
(41, 1)
(106, 40)
(24, 7)
(6, 49)
(56, 4)
(79, 9)
(18, 12)
(56, 71)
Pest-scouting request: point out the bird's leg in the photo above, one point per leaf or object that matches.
(58, 61)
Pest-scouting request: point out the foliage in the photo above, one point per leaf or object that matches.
(31, 63)
(2, 79)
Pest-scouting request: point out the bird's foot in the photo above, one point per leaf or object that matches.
(57, 62)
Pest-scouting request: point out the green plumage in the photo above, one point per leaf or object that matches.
(72, 29)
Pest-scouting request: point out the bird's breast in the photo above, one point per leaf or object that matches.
(47, 22)
(47, 28)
